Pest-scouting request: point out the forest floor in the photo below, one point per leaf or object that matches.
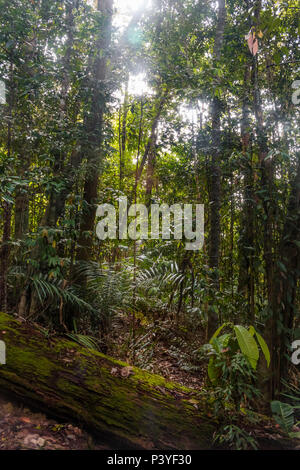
(23, 429)
(161, 350)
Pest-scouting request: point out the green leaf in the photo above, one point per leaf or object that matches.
(283, 415)
(216, 334)
(264, 347)
(295, 435)
(224, 340)
(87, 341)
(247, 345)
(252, 330)
(262, 343)
(216, 344)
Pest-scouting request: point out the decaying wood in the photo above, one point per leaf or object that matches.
(127, 407)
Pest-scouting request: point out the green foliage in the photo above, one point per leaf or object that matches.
(247, 345)
(75, 132)
(232, 363)
(283, 414)
(236, 438)
(86, 341)
(287, 413)
(242, 338)
(263, 345)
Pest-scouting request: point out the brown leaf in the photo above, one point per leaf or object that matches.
(126, 372)
(114, 371)
(252, 42)
(25, 420)
(194, 403)
(255, 47)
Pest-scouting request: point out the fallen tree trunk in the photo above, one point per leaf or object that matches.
(129, 408)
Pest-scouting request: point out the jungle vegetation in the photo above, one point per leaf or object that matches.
(162, 102)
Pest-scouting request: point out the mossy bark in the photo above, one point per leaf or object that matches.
(66, 380)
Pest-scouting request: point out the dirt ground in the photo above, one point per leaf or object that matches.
(22, 429)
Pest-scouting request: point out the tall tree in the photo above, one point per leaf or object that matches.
(214, 169)
(93, 127)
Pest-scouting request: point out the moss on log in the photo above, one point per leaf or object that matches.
(129, 408)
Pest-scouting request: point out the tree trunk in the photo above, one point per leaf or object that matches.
(123, 133)
(152, 139)
(246, 250)
(128, 408)
(4, 254)
(215, 174)
(150, 176)
(267, 200)
(61, 169)
(286, 281)
(94, 131)
(21, 214)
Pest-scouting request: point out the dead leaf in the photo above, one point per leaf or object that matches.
(255, 47)
(25, 420)
(252, 42)
(126, 372)
(41, 442)
(114, 371)
(193, 401)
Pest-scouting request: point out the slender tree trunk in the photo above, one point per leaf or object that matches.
(247, 254)
(21, 214)
(4, 255)
(21, 208)
(7, 212)
(266, 184)
(152, 139)
(215, 174)
(123, 134)
(56, 205)
(94, 131)
(150, 176)
(286, 278)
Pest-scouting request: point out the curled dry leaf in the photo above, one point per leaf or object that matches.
(114, 371)
(194, 403)
(126, 372)
(252, 42)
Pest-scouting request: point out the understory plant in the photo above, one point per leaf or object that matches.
(236, 438)
(233, 358)
(287, 413)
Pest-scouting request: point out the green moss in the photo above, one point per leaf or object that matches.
(16, 357)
